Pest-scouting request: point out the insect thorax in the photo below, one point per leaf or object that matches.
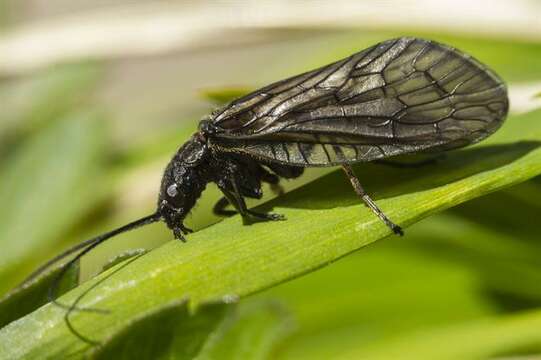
(184, 179)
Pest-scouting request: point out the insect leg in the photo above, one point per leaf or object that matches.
(368, 201)
(237, 200)
(286, 171)
(271, 179)
(220, 208)
(262, 174)
(280, 171)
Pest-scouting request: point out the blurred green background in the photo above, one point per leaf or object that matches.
(95, 97)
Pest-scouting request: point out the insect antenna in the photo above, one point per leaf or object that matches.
(85, 247)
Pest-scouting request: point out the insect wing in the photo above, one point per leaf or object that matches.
(400, 96)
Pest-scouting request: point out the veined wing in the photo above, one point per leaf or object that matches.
(399, 96)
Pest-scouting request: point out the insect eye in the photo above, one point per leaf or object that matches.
(172, 190)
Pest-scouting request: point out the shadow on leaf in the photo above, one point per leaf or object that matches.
(385, 181)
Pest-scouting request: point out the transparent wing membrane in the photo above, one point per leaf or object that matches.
(399, 96)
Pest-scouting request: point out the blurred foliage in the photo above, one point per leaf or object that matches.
(4, 14)
(39, 183)
(221, 96)
(249, 331)
(36, 102)
(462, 284)
(153, 335)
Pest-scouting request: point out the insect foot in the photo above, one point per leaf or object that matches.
(397, 230)
(180, 231)
(276, 217)
(266, 216)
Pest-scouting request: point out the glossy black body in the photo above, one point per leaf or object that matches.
(197, 163)
(401, 96)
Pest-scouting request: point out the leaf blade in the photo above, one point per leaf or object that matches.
(228, 260)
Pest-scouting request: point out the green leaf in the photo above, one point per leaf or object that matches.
(325, 222)
(31, 295)
(171, 332)
(123, 257)
(450, 272)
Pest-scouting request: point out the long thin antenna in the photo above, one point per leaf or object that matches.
(86, 247)
(91, 244)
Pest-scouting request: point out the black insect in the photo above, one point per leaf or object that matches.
(400, 96)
